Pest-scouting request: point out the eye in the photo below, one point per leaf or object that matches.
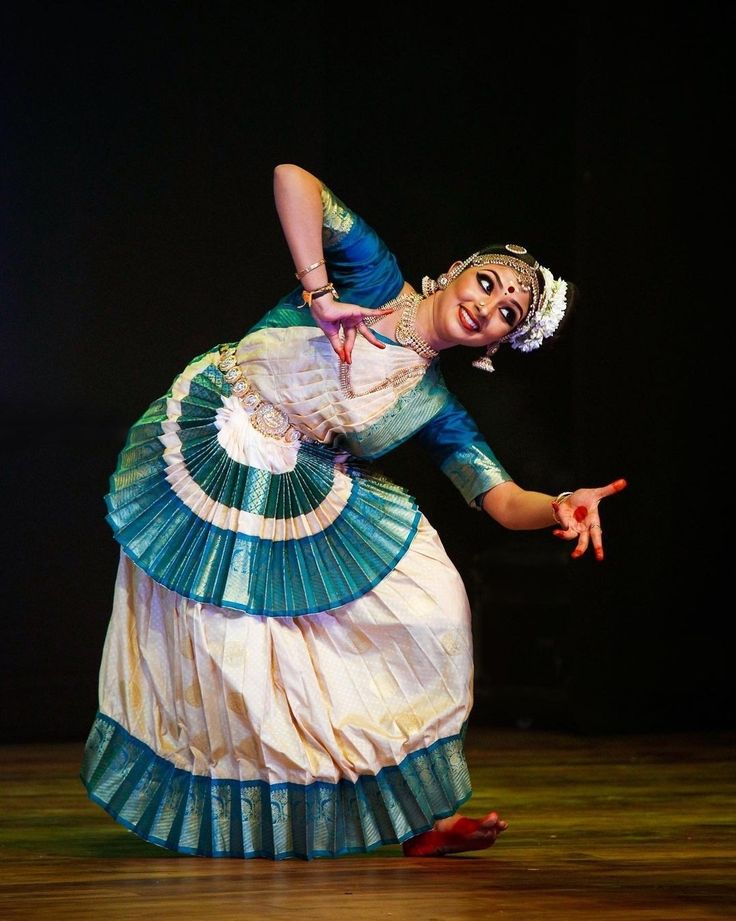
(509, 315)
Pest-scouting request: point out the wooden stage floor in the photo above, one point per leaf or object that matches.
(635, 827)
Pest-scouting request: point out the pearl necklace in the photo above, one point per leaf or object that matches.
(406, 331)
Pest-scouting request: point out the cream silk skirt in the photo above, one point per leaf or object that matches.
(227, 734)
(288, 666)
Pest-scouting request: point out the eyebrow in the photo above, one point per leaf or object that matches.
(512, 299)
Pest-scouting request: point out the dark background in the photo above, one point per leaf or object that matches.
(139, 230)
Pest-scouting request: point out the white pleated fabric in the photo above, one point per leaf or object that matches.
(299, 372)
(234, 721)
(329, 697)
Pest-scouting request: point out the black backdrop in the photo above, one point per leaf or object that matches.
(139, 230)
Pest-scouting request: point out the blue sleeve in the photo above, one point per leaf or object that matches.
(359, 264)
(456, 445)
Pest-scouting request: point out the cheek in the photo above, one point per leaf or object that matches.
(457, 293)
(499, 327)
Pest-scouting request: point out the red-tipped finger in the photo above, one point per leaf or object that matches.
(596, 538)
(368, 335)
(347, 346)
(336, 345)
(612, 488)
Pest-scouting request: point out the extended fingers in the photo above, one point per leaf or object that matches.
(348, 343)
(336, 344)
(350, 336)
(596, 538)
(582, 544)
(367, 334)
(376, 311)
(612, 488)
(585, 534)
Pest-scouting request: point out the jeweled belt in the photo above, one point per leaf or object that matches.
(265, 418)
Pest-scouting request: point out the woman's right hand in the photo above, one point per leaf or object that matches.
(579, 519)
(342, 322)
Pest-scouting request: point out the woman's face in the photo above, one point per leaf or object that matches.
(481, 306)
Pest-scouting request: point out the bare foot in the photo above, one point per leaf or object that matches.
(454, 835)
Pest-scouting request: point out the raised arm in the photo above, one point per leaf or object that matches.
(298, 199)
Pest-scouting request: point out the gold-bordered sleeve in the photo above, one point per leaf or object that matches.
(337, 218)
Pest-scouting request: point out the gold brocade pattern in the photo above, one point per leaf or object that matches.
(337, 219)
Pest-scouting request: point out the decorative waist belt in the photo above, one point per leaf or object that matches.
(266, 418)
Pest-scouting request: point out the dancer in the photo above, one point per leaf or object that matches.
(287, 670)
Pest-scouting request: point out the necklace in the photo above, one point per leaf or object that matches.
(406, 335)
(406, 331)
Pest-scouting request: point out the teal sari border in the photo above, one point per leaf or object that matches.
(275, 592)
(202, 816)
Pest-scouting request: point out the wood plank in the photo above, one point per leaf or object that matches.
(636, 827)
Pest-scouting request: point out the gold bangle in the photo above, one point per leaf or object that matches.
(308, 269)
(309, 296)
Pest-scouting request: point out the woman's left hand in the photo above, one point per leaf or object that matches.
(341, 323)
(579, 519)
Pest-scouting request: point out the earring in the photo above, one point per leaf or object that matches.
(429, 286)
(484, 363)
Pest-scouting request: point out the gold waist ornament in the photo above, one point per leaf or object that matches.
(265, 417)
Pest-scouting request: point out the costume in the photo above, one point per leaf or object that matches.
(288, 666)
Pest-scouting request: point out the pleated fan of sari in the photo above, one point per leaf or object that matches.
(234, 533)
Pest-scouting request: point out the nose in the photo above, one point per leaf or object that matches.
(482, 307)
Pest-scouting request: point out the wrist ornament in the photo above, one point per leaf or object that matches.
(555, 502)
(309, 268)
(309, 296)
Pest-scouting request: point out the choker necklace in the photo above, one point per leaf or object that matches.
(406, 331)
